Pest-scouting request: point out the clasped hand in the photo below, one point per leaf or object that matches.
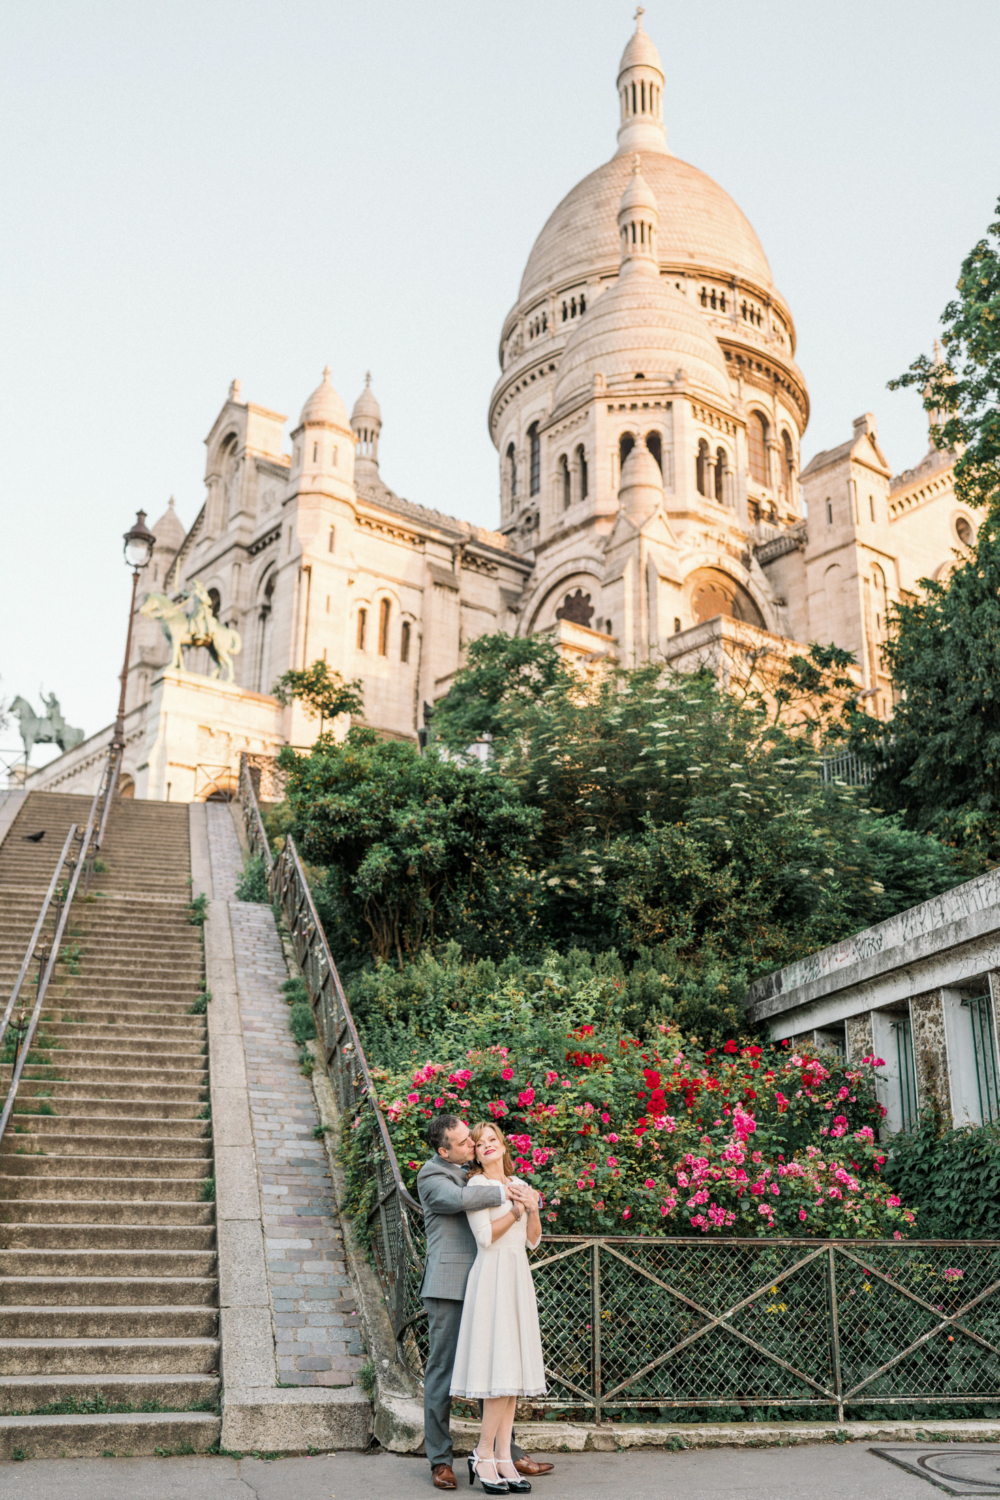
(523, 1197)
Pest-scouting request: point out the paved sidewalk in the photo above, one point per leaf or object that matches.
(826, 1472)
(317, 1338)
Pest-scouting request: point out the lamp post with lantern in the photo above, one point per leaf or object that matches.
(139, 543)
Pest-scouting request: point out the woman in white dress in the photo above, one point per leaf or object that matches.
(499, 1355)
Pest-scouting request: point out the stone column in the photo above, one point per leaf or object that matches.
(860, 1041)
(930, 1054)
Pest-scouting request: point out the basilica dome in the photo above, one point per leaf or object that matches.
(324, 406)
(700, 227)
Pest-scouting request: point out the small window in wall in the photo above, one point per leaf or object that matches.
(984, 1049)
(829, 512)
(333, 539)
(655, 447)
(871, 506)
(902, 1035)
(315, 452)
(701, 468)
(335, 458)
(362, 622)
(963, 531)
(383, 628)
(789, 464)
(757, 444)
(512, 470)
(677, 625)
(625, 445)
(565, 481)
(535, 459)
(721, 469)
(404, 641)
(584, 486)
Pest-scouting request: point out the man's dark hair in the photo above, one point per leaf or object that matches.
(438, 1129)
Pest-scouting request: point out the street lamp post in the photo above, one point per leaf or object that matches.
(139, 543)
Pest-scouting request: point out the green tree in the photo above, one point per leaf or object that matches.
(961, 386)
(940, 766)
(416, 848)
(502, 674)
(322, 693)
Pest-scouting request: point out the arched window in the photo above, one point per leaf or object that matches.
(362, 622)
(566, 490)
(216, 599)
(721, 470)
(512, 470)
(582, 460)
(655, 447)
(383, 628)
(625, 445)
(534, 460)
(757, 444)
(404, 641)
(964, 532)
(701, 475)
(789, 464)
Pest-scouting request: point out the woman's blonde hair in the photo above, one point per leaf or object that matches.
(476, 1134)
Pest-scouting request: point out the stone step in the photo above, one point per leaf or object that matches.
(182, 1212)
(108, 1291)
(150, 1095)
(26, 1394)
(188, 1078)
(92, 1236)
(180, 1189)
(92, 1122)
(183, 1033)
(121, 1356)
(125, 1321)
(103, 1261)
(113, 1043)
(72, 1105)
(133, 1433)
(145, 1168)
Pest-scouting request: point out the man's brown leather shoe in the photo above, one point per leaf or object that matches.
(443, 1476)
(529, 1467)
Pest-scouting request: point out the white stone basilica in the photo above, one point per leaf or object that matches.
(648, 420)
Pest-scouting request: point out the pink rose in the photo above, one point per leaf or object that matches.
(526, 1096)
(802, 1213)
(649, 1183)
(626, 1213)
(606, 1118)
(612, 1161)
(613, 1139)
(438, 1103)
(413, 1098)
(550, 1078)
(507, 1074)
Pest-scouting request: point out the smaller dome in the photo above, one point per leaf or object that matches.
(366, 408)
(640, 489)
(642, 326)
(324, 405)
(638, 193)
(641, 51)
(169, 529)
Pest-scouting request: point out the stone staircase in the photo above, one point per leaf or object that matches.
(108, 1293)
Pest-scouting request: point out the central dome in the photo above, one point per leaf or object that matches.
(700, 227)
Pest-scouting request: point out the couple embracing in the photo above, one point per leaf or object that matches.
(481, 1313)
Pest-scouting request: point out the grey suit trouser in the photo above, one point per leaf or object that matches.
(444, 1318)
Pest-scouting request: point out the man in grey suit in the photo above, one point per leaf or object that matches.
(446, 1194)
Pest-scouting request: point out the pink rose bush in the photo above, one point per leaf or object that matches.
(662, 1136)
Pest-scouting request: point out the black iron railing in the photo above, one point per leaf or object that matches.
(663, 1323)
(77, 859)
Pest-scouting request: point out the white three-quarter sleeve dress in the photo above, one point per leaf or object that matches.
(499, 1347)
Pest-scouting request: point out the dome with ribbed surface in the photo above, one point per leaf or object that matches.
(324, 405)
(366, 408)
(640, 52)
(700, 226)
(642, 326)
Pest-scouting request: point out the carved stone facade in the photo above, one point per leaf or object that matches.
(648, 420)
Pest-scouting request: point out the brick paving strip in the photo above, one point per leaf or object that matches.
(313, 1307)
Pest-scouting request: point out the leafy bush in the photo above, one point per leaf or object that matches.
(415, 848)
(252, 884)
(301, 1022)
(953, 1177)
(656, 1136)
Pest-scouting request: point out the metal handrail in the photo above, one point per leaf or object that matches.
(85, 857)
(103, 798)
(30, 951)
(256, 837)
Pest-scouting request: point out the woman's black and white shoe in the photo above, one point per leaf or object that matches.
(495, 1486)
(517, 1485)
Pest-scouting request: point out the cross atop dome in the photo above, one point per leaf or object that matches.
(640, 94)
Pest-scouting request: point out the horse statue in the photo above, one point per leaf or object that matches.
(50, 730)
(188, 620)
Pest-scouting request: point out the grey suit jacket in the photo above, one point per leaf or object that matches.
(446, 1195)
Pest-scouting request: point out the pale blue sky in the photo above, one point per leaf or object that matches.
(199, 189)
